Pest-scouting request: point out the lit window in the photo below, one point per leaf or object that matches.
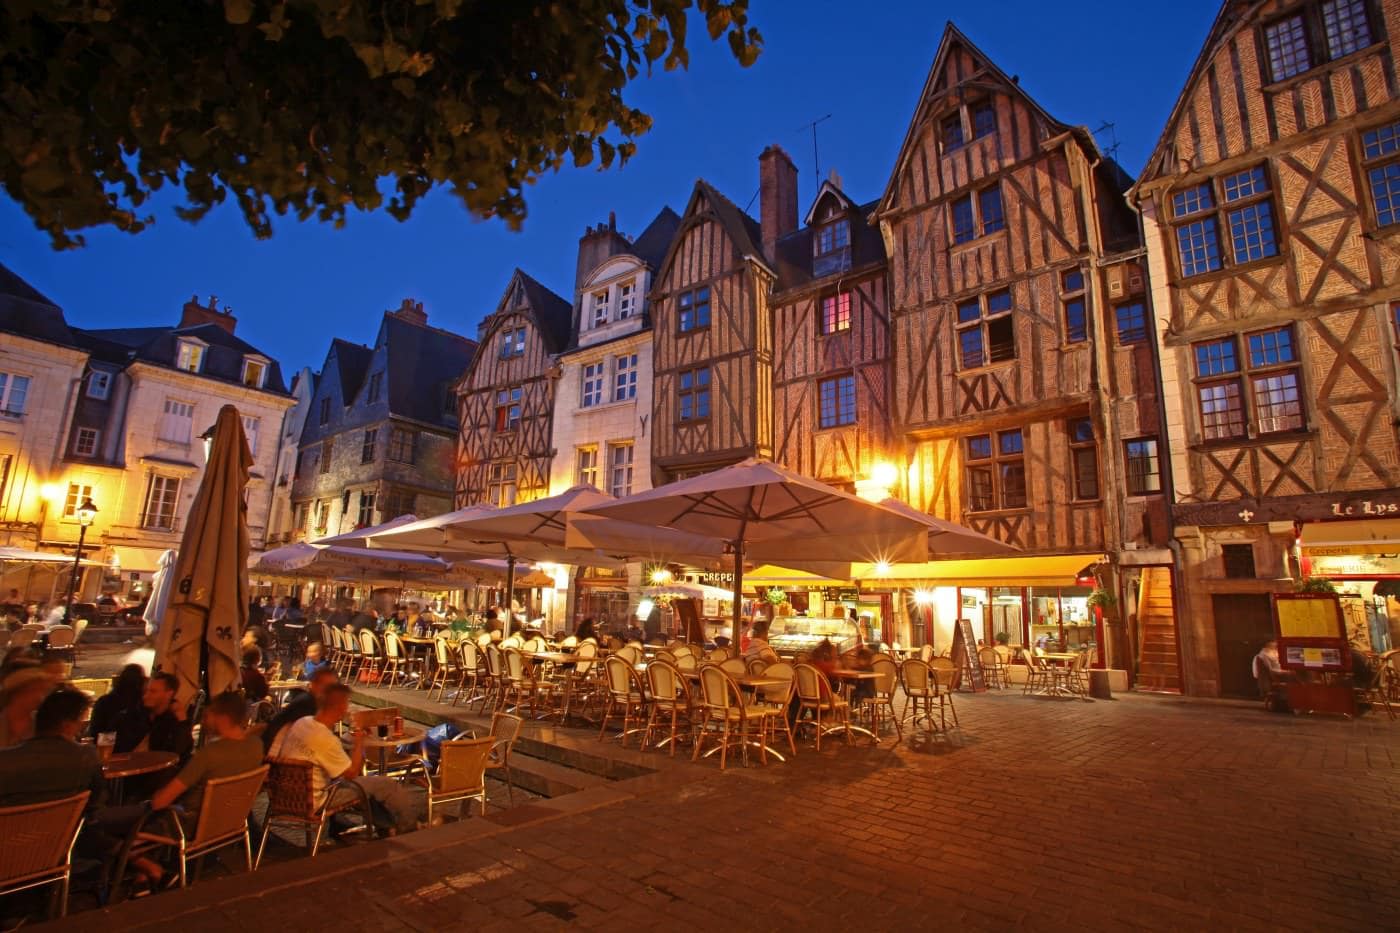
(99, 384)
(837, 400)
(508, 409)
(501, 490)
(836, 312)
(254, 373)
(190, 356)
(78, 493)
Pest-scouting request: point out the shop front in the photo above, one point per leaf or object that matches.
(1361, 557)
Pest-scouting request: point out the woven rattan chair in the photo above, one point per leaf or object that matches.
(926, 653)
(632, 654)
(944, 667)
(729, 719)
(371, 658)
(469, 662)
(291, 800)
(36, 845)
(755, 666)
(687, 662)
(992, 668)
(520, 684)
(396, 663)
(717, 655)
(925, 693)
(461, 773)
(815, 695)
(1038, 675)
(449, 667)
(569, 642)
(672, 708)
(495, 691)
(580, 678)
(780, 698)
(734, 667)
(505, 729)
(625, 695)
(882, 700)
(351, 643)
(222, 821)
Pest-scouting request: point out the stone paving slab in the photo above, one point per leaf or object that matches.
(1131, 814)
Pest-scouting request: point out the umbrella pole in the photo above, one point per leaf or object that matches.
(738, 605)
(510, 595)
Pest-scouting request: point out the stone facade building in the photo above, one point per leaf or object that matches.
(381, 428)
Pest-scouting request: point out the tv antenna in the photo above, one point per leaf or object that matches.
(816, 165)
(1111, 150)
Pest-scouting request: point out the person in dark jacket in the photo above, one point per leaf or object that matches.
(157, 725)
(112, 707)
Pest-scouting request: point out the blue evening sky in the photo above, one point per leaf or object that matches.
(1086, 61)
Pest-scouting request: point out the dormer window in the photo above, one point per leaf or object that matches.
(254, 372)
(831, 248)
(190, 356)
(626, 300)
(513, 343)
(600, 307)
(99, 384)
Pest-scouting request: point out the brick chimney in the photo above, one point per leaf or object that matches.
(412, 312)
(777, 197)
(597, 244)
(195, 314)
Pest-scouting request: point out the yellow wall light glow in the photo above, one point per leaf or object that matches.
(884, 474)
(882, 568)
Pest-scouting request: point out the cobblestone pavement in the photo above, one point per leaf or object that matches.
(1137, 813)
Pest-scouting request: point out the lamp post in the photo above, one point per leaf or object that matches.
(86, 513)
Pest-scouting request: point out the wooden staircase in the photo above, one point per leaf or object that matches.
(1159, 670)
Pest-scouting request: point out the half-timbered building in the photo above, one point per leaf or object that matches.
(506, 397)
(1271, 207)
(1022, 354)
(831, 330)
(712, 342)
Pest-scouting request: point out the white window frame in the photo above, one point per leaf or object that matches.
(621, 455)
(7, 393)
(188, 351)
(98, 378)
(248, 363)
(626, 299)
(252, 425)
(77, 492)
(89, 449)
(586, 465)
(593, 376)
(169, 434)
(624, 377)
(602, 306)
(150, 506)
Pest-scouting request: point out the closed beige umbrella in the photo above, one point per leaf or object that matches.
(199, 639)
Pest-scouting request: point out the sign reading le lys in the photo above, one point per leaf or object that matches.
(1365, 507)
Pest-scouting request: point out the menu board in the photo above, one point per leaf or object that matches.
(965, 657)
(1308, 616)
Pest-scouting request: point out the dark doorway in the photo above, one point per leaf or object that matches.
(1243, 622)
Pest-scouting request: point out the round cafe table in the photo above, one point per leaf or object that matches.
(119, 767)
(411, 735)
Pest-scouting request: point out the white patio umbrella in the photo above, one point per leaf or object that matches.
(161, 584)
(945, 537)
(309, 560)
(758, 502)
(360, 536)
(21, 555)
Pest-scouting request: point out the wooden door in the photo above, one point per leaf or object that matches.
(1243, 622)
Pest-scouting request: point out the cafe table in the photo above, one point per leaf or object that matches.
(132, 764)
(1061, 659)
(411, 735)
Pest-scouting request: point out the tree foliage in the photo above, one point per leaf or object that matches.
(311, 107)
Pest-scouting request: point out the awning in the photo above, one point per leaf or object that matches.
(1363, 536)
(771, 575)
(1050, 570)
(136, 559)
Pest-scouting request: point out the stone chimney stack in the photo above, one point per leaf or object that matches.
(597, 244)
(777, 197)
(412, 312)
(194, 314)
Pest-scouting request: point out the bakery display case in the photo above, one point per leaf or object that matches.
(791, 634)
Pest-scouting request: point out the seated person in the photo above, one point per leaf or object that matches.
(113, 706)
(312, 739)
(21, 692)
(758, 646)
(158, 724)
(52, 764)
(300, 704)
(1267, 672)
(254, 683)
(315, 661)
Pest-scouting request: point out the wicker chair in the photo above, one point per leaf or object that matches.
(396, 661)
(992, 668)
(814, 694)
(580, 679)
(632, 654)
(717, 654)
(222, 821)
(755, 666)
(291, 799)
(371, 658)
(926, 653)
(883, 697)
(469, 671)
(351, 643)
(922, 687)
(687, 662)
(625, 694)
(495, 678)
(1037, 674)
(569, 642)
(461, 773)
(505, 729)
(780, 698)
(670, 701)
(520, 683)
(728, 718)
(449, 665)
(734, 667)
(946, 670)
(38, 845)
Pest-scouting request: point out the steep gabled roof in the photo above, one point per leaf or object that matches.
(553, 315)
(952, 36)
(656, 239)
(352, 363)
(423, 363)
(1226, 20)
(25, 311)
(744, 232)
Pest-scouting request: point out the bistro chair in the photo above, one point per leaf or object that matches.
(371, 658)
(687, 662)
(520, 683)
(945, 669)
(505, 729)
(728, 718)
(469, 669)
(395, 662)
(291, 799)
(717, 655)
(814, 695)
(569, 643)
(22, 638)
(755, 666)
(883, 697)
(580, 678)
(222, 821)
(461, 773)
(926, 653)
(992, 668)
(779, 697)
(625, 694)
(734, 667)
(1038, 674)
(448, 666)
(353, 658)
(922, 687)
(38, 845)
(632, 654)
(670, 700)
(495, 679)
(664, 655)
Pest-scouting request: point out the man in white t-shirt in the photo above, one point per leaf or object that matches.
(311, 739)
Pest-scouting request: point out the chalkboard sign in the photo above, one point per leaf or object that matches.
(965, 658)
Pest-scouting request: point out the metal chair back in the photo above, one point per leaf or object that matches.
(224, 810)
(462, 766)
(38, 847)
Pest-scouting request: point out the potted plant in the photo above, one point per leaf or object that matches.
(1315, 585)
(1104, 601)
(1002, 638)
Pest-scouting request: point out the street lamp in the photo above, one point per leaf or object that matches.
(86, 512)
